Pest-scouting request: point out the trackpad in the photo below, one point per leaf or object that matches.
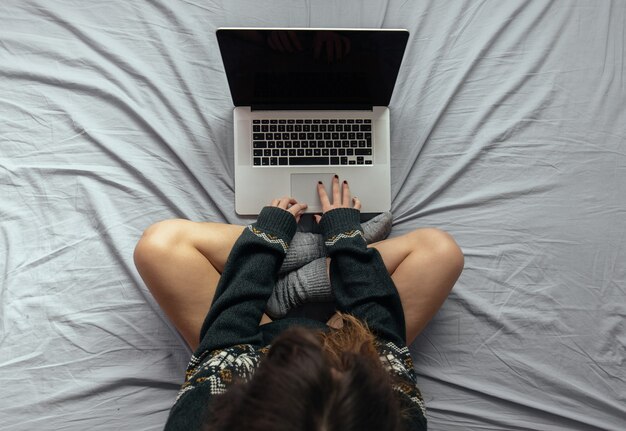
(304, 189)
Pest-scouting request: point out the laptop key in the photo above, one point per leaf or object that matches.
(257, 161)
(259, 144)
(283, 161)
(299, 161)
(258, 136)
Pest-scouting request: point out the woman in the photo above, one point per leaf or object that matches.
(357, 375)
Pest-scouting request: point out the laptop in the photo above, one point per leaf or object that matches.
(310, 104)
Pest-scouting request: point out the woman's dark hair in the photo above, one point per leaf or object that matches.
(313, 381)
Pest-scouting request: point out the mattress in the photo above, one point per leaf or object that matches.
(508, 131)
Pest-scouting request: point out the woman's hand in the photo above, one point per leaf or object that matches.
(341, 197)
(290, 205)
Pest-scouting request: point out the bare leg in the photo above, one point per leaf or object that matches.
(181, 262)
(424, 265)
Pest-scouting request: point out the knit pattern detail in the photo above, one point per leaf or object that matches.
(344, 235)
(221, 368)
(398, 362)
(272, 239)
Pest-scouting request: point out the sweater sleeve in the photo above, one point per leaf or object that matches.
(359, 279)
(247, 282)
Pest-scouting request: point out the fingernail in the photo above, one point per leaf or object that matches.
(319, 182)
(336, 176)
(345, 182)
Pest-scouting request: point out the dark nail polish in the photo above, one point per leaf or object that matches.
(319, 182)
(337, 176)
(345, 182)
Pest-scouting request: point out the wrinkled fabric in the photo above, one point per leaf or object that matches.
(508, 131)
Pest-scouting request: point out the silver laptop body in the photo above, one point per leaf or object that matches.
(304, 113)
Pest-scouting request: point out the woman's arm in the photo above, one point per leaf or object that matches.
(360, 281)
(249, 278)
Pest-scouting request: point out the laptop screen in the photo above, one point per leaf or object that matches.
(311, 68)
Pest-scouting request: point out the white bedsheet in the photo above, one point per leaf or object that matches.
(508, 130)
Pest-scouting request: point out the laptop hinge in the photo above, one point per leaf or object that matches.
(312, 107)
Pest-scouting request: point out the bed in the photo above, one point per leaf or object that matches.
(508, 132)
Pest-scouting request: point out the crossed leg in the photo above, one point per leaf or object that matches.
(181, 261)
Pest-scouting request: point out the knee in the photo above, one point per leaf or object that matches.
(157, 241)
(440, 248)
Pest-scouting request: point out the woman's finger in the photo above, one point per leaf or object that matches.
(357, 203)
(336, 191)
(284, 202)
(321, 192)
(297, 209)
(275, 202)
(345, 201)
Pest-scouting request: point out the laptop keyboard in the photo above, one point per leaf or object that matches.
(319, 142)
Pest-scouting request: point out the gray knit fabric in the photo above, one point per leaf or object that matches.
(306, 247)
(303, 276)
(377, 228)
(308, 284)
